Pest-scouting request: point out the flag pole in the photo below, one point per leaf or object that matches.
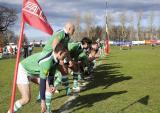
(16, 67)
(107, 32)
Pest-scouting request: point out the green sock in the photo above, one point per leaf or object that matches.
(79, 77)
(58, 79)
(48, 101)
(38, 97)
(65, 82)
(68, 90)
(75, 80)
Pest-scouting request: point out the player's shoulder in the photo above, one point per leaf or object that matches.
(60, 31)
(74, 43)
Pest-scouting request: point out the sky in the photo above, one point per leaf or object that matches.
(131, 7)
(58, 12)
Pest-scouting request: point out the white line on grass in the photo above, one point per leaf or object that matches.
(65, 107)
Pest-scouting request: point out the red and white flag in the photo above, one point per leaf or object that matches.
(34, 16)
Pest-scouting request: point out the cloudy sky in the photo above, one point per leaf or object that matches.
(131, 7)
(58, 12)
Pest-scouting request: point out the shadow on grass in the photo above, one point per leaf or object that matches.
(144, 100)
(87, 101)
(106, 75)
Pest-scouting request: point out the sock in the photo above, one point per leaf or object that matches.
(57, 81)
(79, 77)
(75, 80)
(48, 101)
(38, 97)
(68, 90)
(17, 106)
(58, 78)
(65, 82)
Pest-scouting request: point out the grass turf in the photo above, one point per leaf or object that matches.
(126, 81)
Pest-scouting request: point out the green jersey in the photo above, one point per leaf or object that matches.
(84, 58)
(75, 49)
(30, 64)
(61, 36)
(77, 53)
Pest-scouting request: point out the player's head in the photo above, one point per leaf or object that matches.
(70, 28)
(86, 42)
(92, 54)
(60, 52)
(94, 46)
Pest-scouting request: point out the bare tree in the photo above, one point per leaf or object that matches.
(89, 22)
(158, 32)
(122, 17)
(110, 20)
(151, 26)
(7, 18)
(131, 27)
(1, 40)
(139, 19)
(77, 33)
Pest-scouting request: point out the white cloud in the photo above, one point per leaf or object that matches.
(60, 11)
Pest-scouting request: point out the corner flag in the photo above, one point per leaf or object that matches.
(34, 16)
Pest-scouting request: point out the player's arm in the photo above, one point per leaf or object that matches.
(42, 84)
(42, 94)
(84, 59)
(57, 39)
(71, 47)
(42, 88)
(97, 55)
(51, 80)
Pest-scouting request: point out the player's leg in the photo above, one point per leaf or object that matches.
(76, 87)
(48, 97)
(64, 71)
(23, 87)
(24, 90)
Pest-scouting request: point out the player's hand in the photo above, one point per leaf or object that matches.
(70, 63)
(52, 89)
(80, 62)
(43, 106)
(61, 62)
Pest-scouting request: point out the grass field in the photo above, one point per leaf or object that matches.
(126, 81)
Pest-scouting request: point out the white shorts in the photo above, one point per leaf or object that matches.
(22, 75)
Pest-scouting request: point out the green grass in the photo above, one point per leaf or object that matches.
(127, 81)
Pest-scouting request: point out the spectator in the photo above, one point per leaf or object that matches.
(41, 43)
(30, 50)
(5, 50)
(11, 50)
(1, 52)
(25, 47)
(15, 51)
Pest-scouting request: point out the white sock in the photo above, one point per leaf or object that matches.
(17, 106)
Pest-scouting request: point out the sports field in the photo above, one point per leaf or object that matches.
(126, 81)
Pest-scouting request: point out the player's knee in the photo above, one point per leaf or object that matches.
(65, 83)
(26, 100)
(64, 72)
